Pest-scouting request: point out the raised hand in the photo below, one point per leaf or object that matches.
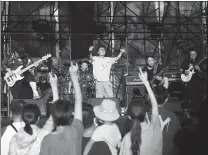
(123, 50)
(143, 76)
(73, 69)
(91, 48)
(53, 79)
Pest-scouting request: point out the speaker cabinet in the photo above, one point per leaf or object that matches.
(97, 101)
(134, 91)
(40, 103)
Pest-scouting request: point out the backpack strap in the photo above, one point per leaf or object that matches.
(14, 127)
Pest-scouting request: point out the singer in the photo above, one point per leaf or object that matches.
(101, 71)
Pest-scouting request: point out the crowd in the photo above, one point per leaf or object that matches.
(78, 128)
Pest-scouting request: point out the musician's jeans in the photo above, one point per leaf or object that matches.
(22, 88)
(104, 89)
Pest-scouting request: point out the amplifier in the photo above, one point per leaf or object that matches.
(133, 80)
(173, 76)
(130, 92)
(41, 103)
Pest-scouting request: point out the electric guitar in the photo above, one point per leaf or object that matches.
(158, 74)
(187, 77)
(11, 79)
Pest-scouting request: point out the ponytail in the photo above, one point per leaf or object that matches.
(136, 137)
(28, 129)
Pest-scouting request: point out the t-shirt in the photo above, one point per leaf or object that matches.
(110, 134)
(151, 136)
(169, 130)
(67, 142)
(102, 67)
(100, 148)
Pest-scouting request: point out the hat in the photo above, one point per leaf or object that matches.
(106, 111)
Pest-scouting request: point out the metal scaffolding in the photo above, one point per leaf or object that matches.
(178, 28)
(165, 29)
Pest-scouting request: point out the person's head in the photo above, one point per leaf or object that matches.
(16, 108)
(192, 54)
(106, 111)
(62, 113)
(150, 61)
(161, 94)
(30, 116)
(84, 66)
(136, 92)
(88, 116)
(101, 51)
(137, 111)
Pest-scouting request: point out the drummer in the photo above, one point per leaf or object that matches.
(85, 79)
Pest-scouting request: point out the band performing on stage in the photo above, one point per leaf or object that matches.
(104, 78)
(95, 73)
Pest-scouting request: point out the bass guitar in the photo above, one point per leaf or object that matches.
(191, 71)
(13, 76)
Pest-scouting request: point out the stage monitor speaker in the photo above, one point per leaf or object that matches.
(97, 101)
(134, 91)
(41, 103)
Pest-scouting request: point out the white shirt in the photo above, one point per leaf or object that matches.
(110, 134)
(7, 136)
(151, 136)
(102, 68)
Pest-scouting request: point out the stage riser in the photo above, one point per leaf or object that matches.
(40, 103)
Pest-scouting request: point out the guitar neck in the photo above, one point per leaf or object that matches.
(200, 62)
(30, 66)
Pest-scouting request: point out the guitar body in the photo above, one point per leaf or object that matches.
(187, 78)
(11, 80)
(16, 76)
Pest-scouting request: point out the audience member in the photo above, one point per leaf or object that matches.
(67, 138)
(129, 122)
(108, 131)
(101, 147)
(145, 137)
(9, 131)
(27, 141)
(187, 139)
(173, 126)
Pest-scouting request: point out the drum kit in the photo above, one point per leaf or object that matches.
(87, 84)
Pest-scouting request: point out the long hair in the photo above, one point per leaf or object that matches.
(137, 111)
(30, 115)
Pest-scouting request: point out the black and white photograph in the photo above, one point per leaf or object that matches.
(104, 77)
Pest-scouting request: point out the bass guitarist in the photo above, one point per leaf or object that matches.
(27, 87)
(152, 70)
(194, 91)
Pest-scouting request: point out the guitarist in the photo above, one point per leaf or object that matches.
(193, 93)
(27, 87)
(152, 70)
